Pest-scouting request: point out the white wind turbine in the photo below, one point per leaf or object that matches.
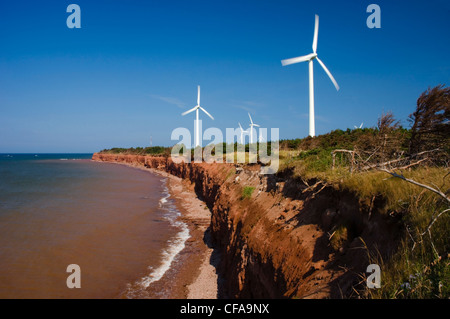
(196, 108)
(310, 57)
(359, 126)
(251, 128)
(242, 133)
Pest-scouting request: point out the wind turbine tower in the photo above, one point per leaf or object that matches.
(310, 57)
(196, 108)
(251, 128)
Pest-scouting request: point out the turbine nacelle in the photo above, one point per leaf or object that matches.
(304, 58)
(195, 108)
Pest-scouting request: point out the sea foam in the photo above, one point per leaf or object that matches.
(174, 245)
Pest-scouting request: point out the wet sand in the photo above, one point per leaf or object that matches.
(193, 274)
(198, 276)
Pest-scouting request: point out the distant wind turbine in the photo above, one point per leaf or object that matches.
(196, 108)
(359, 126)
(251, 128)
(310, 57)
(242, 133)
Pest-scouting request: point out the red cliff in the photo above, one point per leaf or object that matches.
(276, 239)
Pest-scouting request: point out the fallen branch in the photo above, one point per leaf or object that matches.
(414, 164)
(433, 220)
(370, 166)
(314, 195)
(424, 152)
(311, 187)
(437, 191)
(382, 164)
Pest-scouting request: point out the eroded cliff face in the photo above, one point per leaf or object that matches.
(288, 239)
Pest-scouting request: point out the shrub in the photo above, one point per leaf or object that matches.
(247, 192)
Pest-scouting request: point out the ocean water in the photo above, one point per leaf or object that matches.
(117, 223)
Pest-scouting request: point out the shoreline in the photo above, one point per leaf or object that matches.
(197, 275)
(193, 273)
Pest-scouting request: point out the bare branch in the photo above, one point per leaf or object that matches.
(433, 220)
(417, 184)
(414, 164)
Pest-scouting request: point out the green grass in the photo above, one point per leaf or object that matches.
(415, 272)
(420, 267)
(247, 192)
(155, 150)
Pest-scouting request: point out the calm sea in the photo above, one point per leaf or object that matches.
(117, 223)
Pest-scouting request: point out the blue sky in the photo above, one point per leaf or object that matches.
(134, 67)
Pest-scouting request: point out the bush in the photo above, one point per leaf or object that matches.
(247, 192)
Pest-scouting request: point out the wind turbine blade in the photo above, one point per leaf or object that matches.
(189, 111)
(316, 34)
(256, 125)
(251, 121)
(329, 74)
(240, 126)
(297, 59)
(206, 112)
(198, 95)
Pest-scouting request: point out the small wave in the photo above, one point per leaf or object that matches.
(166, 194)
(174, 247)
(163, 200)
(63, 159)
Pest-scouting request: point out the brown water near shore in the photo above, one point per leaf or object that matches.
(109, 219)
(193, 272)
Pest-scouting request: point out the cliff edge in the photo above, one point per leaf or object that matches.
(281, 237)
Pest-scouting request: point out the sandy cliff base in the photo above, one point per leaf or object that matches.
(198, 276)
(193, 274)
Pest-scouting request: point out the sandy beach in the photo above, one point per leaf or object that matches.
(193, 275)
(204, 285)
